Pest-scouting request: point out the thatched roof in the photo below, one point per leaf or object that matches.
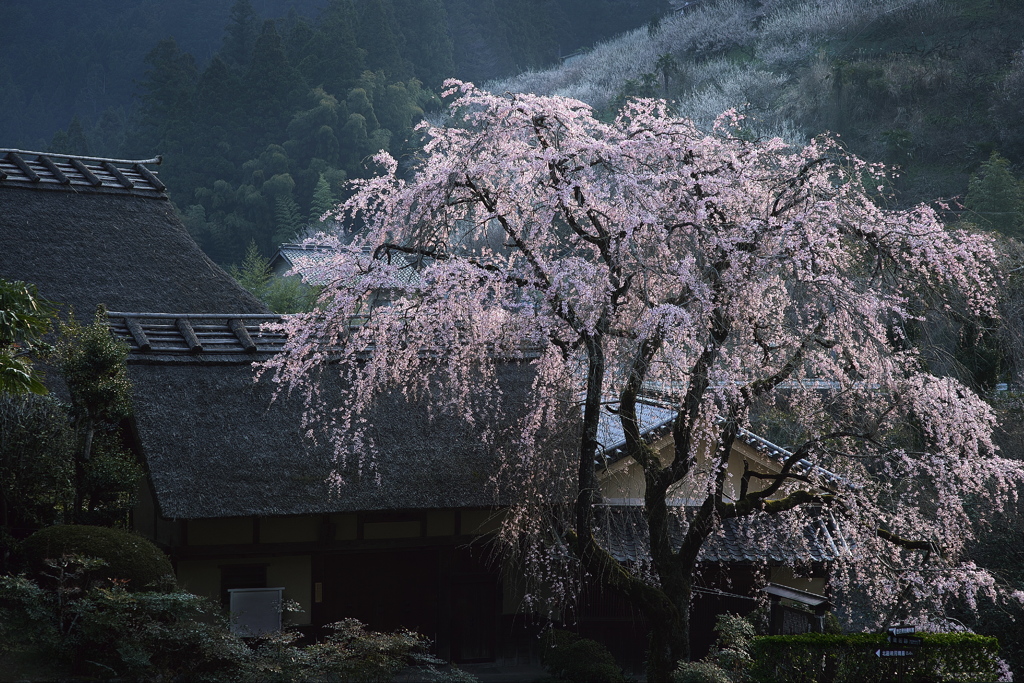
(85, 245)
(216, 445)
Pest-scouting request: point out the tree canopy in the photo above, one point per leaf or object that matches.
(719, 274)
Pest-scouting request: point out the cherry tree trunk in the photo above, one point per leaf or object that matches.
(669, 641)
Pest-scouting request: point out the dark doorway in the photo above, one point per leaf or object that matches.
(386, 590)
(475, 606)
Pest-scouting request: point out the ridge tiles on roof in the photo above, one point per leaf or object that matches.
(76, 173)
(176, 334)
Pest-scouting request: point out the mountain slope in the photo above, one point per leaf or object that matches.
(930, 85)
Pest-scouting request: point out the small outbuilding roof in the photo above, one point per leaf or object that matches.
(313, 262)
(656, 421)
(305, 259)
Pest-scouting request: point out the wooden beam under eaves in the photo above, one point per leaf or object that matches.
(150, 177)
(25, 168)
(89, 176)
(125, 181)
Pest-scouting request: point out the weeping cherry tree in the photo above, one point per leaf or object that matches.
(728, 272)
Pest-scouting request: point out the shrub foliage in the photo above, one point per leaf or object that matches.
(574, 659)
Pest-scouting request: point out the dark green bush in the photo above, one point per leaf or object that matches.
(574, 659)
(128, 557)
(349, 653)
(108, 632)
(819, 657)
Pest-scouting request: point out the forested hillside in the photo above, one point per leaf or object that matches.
(933, 86)
(260, 120)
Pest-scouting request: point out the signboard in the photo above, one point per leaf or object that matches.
(905, 640)
(902, 630)
(894, 653)
(255, 611)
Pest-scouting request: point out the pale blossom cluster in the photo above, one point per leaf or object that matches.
(705, 40)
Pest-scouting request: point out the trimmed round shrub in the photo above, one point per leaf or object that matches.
(129, 558)
(573, 659)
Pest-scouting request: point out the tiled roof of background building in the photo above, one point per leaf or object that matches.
(622, 531)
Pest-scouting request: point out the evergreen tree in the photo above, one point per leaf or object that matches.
(996, 197)
(279, 191)
(281, 294)
(166, 119)
(380, 36)
(426, 41)
(323, 201)
(527, 34)
(335, 59)
(667, 67)
(109, 135)
(219, 142)
(240, 35)
(71, 141)
(217, 93)
(299, 36)
(94, 366)
(168, 87)
(271, 89)
(287, 218)
(254, 273)
(477, 49)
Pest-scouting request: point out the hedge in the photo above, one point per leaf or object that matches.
(819, 657)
